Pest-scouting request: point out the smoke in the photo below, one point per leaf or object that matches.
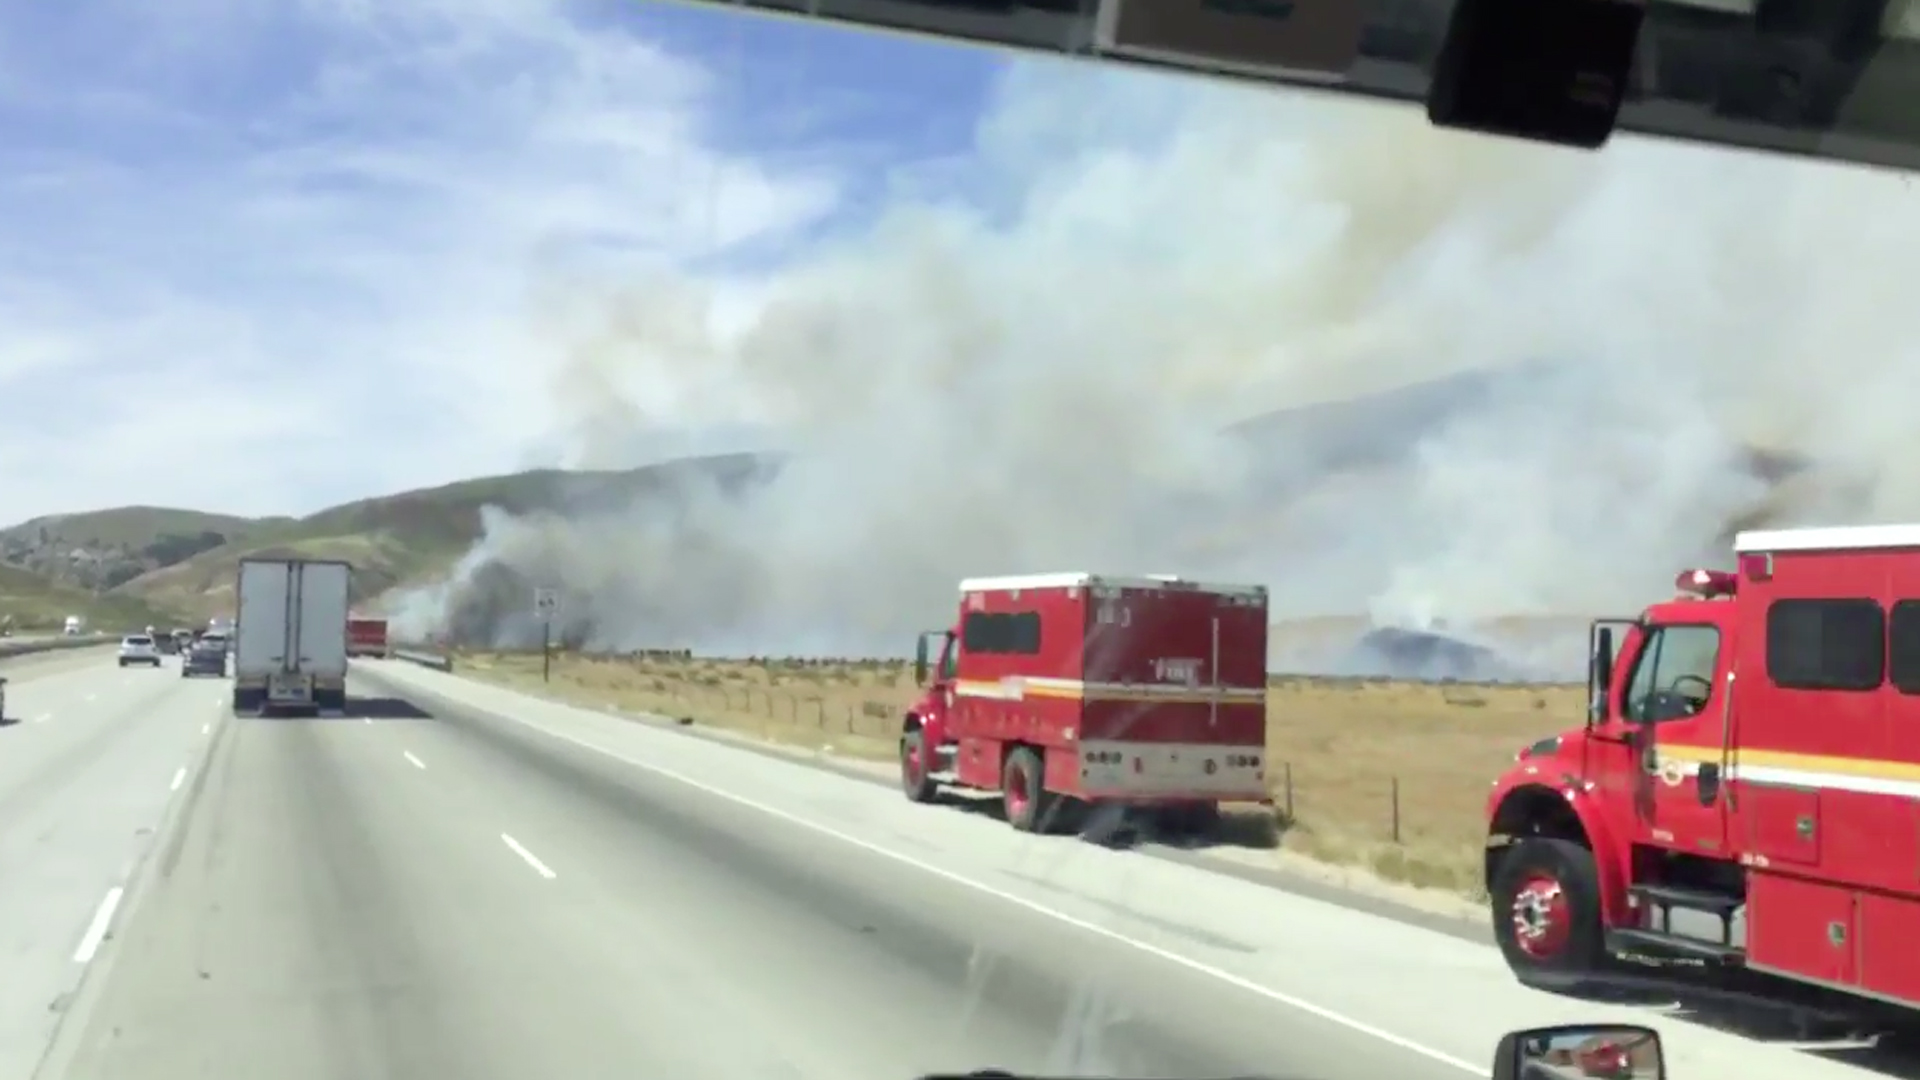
(1051, 382)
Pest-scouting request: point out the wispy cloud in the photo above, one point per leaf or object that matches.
(304, 243)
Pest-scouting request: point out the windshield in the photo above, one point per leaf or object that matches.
(661, 371)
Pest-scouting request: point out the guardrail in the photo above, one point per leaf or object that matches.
(436, 661)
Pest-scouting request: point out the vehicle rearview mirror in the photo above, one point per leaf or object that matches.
(1581, 1052)
(920, 662)
(1599, 672)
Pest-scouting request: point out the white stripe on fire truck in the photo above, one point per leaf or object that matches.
(1019, 687)
(1861, 783)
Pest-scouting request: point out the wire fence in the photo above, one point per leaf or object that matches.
(1410, 793)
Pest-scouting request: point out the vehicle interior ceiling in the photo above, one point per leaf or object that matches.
(1827, 78)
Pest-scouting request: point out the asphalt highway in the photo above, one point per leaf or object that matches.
(478, 885)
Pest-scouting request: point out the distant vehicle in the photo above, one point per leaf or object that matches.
(182, 639)
(219, 641)
(1065, 691)
(290, 640)
(138, 649)
(74, 626)
(367, 636)
(205, 657)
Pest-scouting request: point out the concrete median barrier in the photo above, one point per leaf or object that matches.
(27, 646)
(436, 661)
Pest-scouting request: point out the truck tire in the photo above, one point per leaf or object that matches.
(1196, 820)
(1546, 910)
(916, 772)
(1023, 790)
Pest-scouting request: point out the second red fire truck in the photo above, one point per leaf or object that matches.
(367, 637)
(1063, 691)
(1746, 791)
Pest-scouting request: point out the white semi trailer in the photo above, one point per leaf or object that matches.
(290, 636)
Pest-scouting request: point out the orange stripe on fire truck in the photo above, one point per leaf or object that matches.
(1865, 775)
(1020, 688)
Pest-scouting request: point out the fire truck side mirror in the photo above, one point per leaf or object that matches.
(920, 662)
(1599, 673)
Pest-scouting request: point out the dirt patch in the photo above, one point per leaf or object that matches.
(1386, 775)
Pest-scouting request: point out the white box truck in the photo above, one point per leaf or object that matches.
(290, 636)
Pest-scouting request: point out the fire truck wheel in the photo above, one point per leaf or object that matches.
(915, 770)
(1546, 908)
(1192, 820)
(1023, 790)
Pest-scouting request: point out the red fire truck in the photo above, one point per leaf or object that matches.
(1060, 691)
(1750, 765)
(367, 636)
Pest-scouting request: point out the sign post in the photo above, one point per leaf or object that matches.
(545, 603)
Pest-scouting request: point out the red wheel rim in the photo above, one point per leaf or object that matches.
(1016, 790)
(1542, 917)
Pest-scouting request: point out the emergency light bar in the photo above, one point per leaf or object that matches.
(1706, 584)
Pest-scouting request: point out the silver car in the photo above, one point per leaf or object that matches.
(138, 649)
(205, 658)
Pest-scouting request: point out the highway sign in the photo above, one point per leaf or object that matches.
(546, 602)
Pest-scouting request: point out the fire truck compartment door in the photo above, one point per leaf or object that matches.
(1783, 823)
(1802, 928)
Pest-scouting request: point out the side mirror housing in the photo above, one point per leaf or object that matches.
(1599, 673)
(1580, 1052)
(920, 662)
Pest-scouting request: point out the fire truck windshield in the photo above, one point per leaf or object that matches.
(1251, 464)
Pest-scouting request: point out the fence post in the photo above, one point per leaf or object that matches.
(1396, 809)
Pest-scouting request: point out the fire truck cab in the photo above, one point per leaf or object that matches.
(1061, 691)
(1746, 790)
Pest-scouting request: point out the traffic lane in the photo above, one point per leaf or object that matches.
(81, 793)
(339, 904)
(852, 965)
(1452, 997)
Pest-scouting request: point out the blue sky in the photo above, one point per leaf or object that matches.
(301, 241)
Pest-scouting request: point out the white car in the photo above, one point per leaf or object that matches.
(138, 649)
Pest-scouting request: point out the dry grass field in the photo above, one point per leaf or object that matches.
(1377, 773)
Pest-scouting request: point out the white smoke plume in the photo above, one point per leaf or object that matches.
(1046, 384)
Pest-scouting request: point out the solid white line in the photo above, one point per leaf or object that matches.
(204, 728)
(538, 866)
(97, 929)
(179, 777)
(43, 718)
(1240, 982)
(93, 697)
(417, 763)
(366, 719)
